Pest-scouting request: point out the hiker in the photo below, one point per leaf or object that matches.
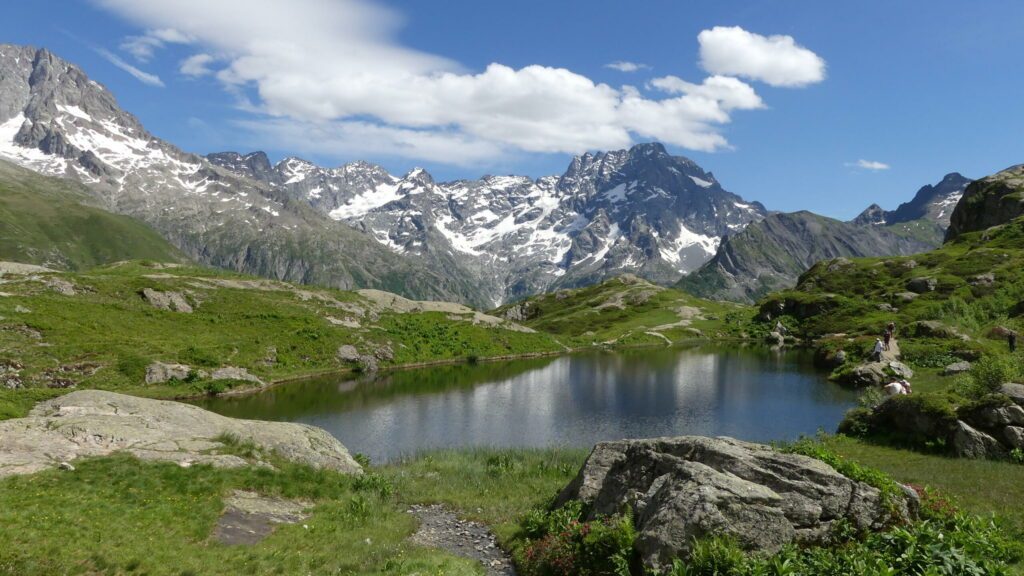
(876, 354)
(891, 327)
(888, 338)
(1011, 338)
(898, 388)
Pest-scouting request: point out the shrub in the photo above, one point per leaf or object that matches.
(993, 371)
(564, 545)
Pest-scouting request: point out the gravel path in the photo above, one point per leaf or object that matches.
(442, 529)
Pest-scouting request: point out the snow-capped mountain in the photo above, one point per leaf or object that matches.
(640, 210)
(55, 120)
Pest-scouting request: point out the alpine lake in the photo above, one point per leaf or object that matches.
(748, 392)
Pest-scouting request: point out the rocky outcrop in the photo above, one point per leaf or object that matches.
(956, 368)
(1015, 392)
(98, 423)
(235, 373)
(159, 372)
(173, 301)
(991, 201)
(691, 487)
(933, 329)
(971, 443)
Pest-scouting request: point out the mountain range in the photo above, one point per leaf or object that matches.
(483, 242)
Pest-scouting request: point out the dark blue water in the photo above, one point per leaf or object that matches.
(750, 393)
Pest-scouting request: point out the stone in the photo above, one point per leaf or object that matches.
(90, 423)
(839, 358)
(776, 338)
(997, 416)
(1014, 436)
(932, 329)
(1014, 392)
(66, 466)
(688, 487)
(60, 286)
(864, 375)
(235, 373)
(22, 310)
(971, 443)
(922, 285)
(901, 370)
(906, 296)
(986, 279)
(172, 301)
(159, 372)
(957, 368)
(1000, 332)
(347, 353)
(249, 517)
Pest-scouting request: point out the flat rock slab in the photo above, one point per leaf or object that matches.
(249, 518)
(98, 423)
(442, 529)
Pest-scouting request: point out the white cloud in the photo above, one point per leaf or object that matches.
(144, 77)
(873, 165)
(626, 66)
(775, 60)
(336, 64)
(144, 46)
(196, 65)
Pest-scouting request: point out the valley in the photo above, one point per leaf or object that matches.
(222, 364)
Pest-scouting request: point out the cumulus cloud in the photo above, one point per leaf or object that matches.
(775, 60)
(626, 66)
(144, 77)
(336, 65)
(196, 65)
(872, 165)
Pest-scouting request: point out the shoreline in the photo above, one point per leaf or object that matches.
(240, 392)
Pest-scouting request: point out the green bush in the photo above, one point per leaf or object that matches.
(563, 545)
(993, 371)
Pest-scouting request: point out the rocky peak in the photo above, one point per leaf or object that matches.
(991, 201)
(254, 165)
(872, 216)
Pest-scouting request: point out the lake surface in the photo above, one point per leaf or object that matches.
(751, 393)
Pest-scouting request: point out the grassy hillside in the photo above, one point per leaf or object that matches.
(627, 311)
(97, 330)
(51, 222)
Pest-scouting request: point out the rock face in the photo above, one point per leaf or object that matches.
(690, 487)
(173, 301)
(55, 121)
(988, 202)
(771, 254)
(640, 211)
(971, 443)
(97, 423)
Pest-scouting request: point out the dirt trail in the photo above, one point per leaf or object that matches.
(442, 529)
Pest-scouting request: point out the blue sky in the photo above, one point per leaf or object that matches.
(924, 88)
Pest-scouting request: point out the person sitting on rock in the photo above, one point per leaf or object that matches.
(876, 354)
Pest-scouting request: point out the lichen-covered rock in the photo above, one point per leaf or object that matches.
(159, 372)
(1014, 392)
(971, 443)
(173, 301)
(347, 353)
(922, 285)
(1014, 436)
(933, 329)
(957, 368)
(235, 373)
(98, 423)
(691, 487)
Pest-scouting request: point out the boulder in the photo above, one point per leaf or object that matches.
(97, 423)
(900, 369)
(1014, 436)
(689, 487)
(159, 372)
(922, 284)
(776, 339)
(986, 279)
(971, 443)
(957, 368)
(173, 301)
(867, 374)
(906, 296)
(1014, 392)
(235, 373)
(1000, 332)
(933, 329)
(347, 353)
(997, 416)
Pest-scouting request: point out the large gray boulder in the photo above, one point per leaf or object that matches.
(160, 372)
(971, 443)
(98, 423)
(1014, 436)
(1014, 392)
(690, 487)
